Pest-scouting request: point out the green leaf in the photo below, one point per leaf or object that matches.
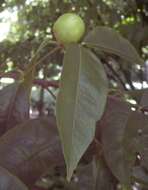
(136, 33)
(110, 41)
(80, 102)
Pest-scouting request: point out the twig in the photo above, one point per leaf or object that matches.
(46, 83)
(41, 82)
(48, 54)
(105, 62)
(116, 74)
(126, 75)
(50, 92)
(34, 61)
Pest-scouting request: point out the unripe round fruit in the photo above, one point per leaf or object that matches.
(69, 28)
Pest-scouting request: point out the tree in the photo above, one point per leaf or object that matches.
(102, 133)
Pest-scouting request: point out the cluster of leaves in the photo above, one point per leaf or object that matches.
(110, 153)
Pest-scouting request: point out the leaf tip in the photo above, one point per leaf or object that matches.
(69, 175)
(70, 171)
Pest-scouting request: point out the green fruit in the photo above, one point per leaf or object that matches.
(69, 28)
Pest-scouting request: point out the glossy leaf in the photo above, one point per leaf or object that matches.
(113, 131)
(80, 102)
(110, 41)
(9, 181)
(30, 149)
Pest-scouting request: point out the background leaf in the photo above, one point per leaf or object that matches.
(92, 177)
(15, 103)
(140, 175)
(104, 177)
(110, 41)
(113, 130)
(136, 33)
(136, 137)
(30, 149)
(80, 102)
(7, 95)
(85, 182)
(9, 181)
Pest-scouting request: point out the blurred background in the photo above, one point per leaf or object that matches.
(24, 24)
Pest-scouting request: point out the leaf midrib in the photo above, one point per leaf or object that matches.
(76, 100)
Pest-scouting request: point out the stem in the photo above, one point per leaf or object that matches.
(41, 103)
(34, 61)
(48, 54)
(51, 93)
(46, 84)
(116, 74)
(104, 61)
(40, 82)
(127, 76)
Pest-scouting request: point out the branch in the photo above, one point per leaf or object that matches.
(116, 74)
(126, 75)
(46, 83)
(41, 82)
(36, 60)
(51, 93)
